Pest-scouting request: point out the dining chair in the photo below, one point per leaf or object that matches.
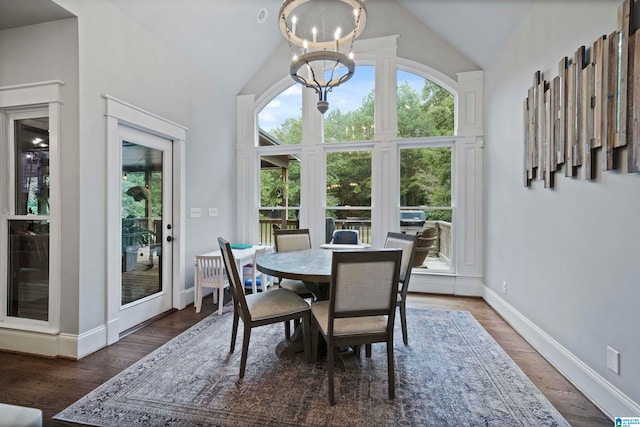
(293, 240)
(361, 306)
(261, 308)
(345, 237)
(254, 279)
(408, 243)
(210, 274)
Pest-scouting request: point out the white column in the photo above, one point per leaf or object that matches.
(384, 182)
(312, 174)
(469, 176)
(247, 169)
(386, 119)
(469, 104)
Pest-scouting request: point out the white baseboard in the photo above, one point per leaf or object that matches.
(186, 297)
(446, 284)
(92, 341)
(469, 286)
(29, 342)
(53, 345)
(601, 392)
(68, 346)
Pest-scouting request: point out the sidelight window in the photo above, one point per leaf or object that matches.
(27, 215)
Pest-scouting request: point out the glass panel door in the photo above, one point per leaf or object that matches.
(141, 221)
(145, 288)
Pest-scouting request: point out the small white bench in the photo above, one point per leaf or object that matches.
(19, 416)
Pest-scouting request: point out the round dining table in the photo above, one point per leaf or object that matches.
(312, 266)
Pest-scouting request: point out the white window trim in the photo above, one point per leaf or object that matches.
(465, 277)
(40, 97)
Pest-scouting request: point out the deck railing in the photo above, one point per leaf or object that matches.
(364, 230)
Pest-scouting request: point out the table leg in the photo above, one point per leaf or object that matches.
(295, 344)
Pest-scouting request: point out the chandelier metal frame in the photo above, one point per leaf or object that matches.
(323, 55)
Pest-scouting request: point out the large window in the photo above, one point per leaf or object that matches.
(348, 194)
(279, 195)
(28, 216)
(424, 108)
(351, 108)
(425, 204)
(394, 175)
(281, 119)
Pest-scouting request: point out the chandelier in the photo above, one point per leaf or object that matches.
(321, 36)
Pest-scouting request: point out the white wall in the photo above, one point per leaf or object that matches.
(50, 52)
(569, 255)
(121, 59)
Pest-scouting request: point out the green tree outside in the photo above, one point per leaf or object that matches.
(425, 172)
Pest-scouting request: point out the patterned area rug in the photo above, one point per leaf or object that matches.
(452, 374)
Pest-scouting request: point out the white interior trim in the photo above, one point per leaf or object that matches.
(21, 334)
(119, 112)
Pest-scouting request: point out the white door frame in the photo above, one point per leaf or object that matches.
(140, 310)
(121, 113)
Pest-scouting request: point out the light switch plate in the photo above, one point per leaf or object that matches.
(195, 212)
(213, 211)
(613, 360)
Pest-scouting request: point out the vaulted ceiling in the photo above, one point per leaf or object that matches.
(205, 31)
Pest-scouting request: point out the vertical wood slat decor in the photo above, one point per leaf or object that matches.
(578, 60)
(599, 89)
(592, 104)
(611, 100)
(561, 143)
(587, 117)
(634, 144)
(569, 163)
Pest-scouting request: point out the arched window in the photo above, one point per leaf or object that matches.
(281, 118)
(424, 107)
(393, 169)
(351, 109)
(424, 110)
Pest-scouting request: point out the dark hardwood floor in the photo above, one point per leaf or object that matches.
(53, 384)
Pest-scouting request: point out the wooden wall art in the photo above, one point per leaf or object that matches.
(592, 104)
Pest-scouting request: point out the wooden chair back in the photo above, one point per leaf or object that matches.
(292, 240)
(236, 286)
(210, 271)
(364, 283)
(407, 243)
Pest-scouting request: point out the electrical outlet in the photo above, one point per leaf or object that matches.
(504, 288)
(613, 360)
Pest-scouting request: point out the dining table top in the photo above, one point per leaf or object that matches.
(308, 265)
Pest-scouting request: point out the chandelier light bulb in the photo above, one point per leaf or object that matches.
(314, 31)
(294, 21)
(350, 55)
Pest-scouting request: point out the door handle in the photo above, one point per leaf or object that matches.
(170, 239)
